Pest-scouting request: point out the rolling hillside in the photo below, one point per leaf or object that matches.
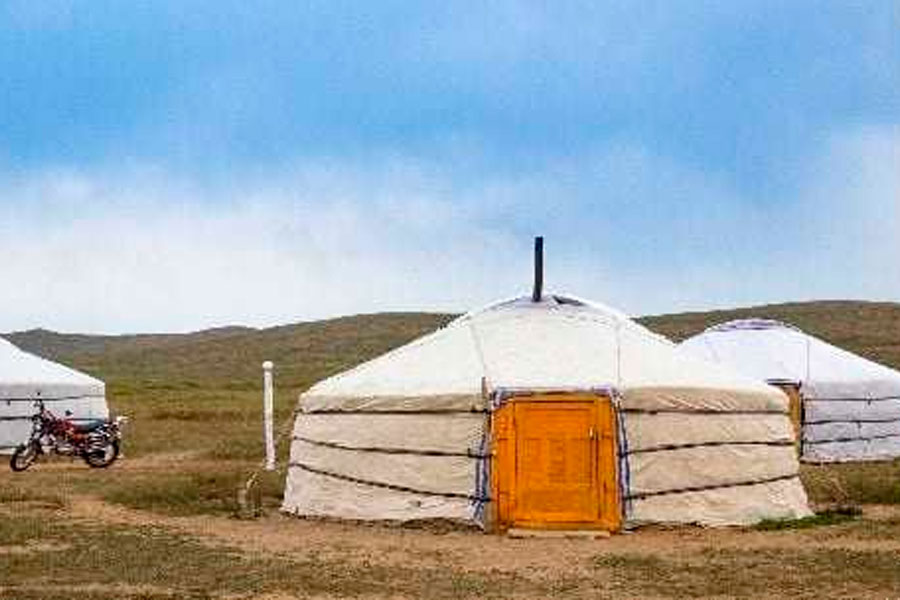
(229, 358)
(871, 329)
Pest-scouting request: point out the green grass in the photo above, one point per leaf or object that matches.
(180, 493)
(182, 567)
(12, 495)
(832, 516)
(749, 573)
(853, 483)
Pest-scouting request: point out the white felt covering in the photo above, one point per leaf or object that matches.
(851, 404)
(433, 395)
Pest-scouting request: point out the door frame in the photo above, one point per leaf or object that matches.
(505, 461)
(796, 409)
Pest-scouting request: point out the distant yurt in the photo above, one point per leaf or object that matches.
(25, 378)
(550, 413)
(844, 407)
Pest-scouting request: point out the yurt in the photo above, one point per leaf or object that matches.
(844, 407)
(25, 378)
(543, 412)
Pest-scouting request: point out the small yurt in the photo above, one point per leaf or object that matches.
(544, 412)
(844, 407)
(25, 378)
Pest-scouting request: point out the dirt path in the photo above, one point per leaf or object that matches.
(145, 463)
(471, 551)
(650, 563)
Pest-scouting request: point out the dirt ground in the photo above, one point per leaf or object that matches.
(545, 561)
(855, 559)
(388, 545)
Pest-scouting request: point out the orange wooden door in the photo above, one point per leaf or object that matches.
(556, 466)
(554, 463)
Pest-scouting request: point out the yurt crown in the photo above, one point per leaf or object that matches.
(754, 324)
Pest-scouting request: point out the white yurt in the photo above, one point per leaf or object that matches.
(25, 378)
(847, 407)
(555, 413)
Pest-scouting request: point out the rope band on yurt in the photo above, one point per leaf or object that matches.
(642, 495)
(53, 399)
(826, 421)
(873, 399)
(437, 411)
(624, 470)
(853, 439)
(702, 411)
(467, 454)
(667, 447)
(482, 476)
(29, 417)
(387, 486)
(484, 463)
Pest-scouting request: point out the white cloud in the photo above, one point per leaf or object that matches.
(99, 253)
(146, 250)
(849, 218)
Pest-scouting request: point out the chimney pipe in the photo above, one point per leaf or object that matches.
(538, 269)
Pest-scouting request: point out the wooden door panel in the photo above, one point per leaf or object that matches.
(555, 479)
(555, 462)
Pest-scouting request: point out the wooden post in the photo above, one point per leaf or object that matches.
(268, 417)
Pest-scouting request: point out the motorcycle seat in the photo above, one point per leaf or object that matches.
(89, 426)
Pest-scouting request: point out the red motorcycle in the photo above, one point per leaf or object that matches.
(96, 441)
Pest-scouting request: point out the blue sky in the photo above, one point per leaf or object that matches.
(176, 165)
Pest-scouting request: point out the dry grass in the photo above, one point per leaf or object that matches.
(853, 483)
(65, 553)
(823, 518)
(111, 561)
(755, 573)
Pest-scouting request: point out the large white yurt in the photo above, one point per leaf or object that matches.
(25, 378)
(846, 407)
(555, 413)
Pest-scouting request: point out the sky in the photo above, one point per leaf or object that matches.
(177, 165)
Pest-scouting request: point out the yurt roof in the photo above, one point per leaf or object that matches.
(24, 375)
(779, 352)
(560, 342)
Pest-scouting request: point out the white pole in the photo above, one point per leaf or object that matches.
(268, 401)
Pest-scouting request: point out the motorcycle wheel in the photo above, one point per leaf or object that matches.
(100, 459)
(23, 457)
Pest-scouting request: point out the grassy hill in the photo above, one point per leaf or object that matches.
(871, 329)
(229, 358)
